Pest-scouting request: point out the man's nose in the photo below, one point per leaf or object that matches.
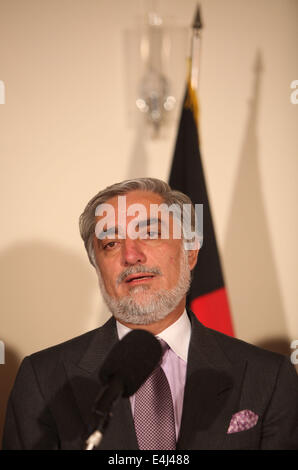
(132, 252)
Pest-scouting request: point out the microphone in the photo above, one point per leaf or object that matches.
(125, 369)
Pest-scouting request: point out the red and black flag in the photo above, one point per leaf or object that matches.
(207, 297)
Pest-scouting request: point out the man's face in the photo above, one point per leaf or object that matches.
(139, 273)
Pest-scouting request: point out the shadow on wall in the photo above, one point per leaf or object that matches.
(250, 268)
(138, 166)
(46, 294)
(279, 345)
(282, 346)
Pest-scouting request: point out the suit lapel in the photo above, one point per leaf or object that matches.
(85, 385)
(212, 391)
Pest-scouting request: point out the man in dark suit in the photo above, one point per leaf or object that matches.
(226, 394)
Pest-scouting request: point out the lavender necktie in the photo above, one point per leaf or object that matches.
(154, 413)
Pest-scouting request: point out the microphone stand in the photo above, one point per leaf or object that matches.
(104, 404)
(93, 440)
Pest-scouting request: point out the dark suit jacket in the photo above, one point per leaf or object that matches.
(50, 406)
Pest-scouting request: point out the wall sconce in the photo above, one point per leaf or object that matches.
(156, 69)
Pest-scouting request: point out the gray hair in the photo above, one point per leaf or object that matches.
(87, 220)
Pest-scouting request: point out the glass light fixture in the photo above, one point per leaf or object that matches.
(156, 63)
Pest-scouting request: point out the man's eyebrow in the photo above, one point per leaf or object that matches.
(113, 231)
(150, 221)
(105, 233)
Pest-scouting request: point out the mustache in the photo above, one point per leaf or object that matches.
(136, 270)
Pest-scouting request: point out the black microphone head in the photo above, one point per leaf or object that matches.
(132, 360)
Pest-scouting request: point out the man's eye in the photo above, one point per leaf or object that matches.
(109, 246)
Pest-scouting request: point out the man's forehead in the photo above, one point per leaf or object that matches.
(134, 212)
(145, 204)
(142, 204)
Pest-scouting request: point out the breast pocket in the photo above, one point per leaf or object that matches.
(242, 440)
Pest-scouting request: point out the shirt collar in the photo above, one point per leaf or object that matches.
(176, 335)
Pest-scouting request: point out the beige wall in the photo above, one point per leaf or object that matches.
(64, 135)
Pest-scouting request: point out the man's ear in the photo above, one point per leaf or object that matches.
(192, 258)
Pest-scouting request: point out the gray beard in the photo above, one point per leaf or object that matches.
(151, 306)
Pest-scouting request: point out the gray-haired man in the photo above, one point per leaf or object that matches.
(226, 394)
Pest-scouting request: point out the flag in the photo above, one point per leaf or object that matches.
(207, 297)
